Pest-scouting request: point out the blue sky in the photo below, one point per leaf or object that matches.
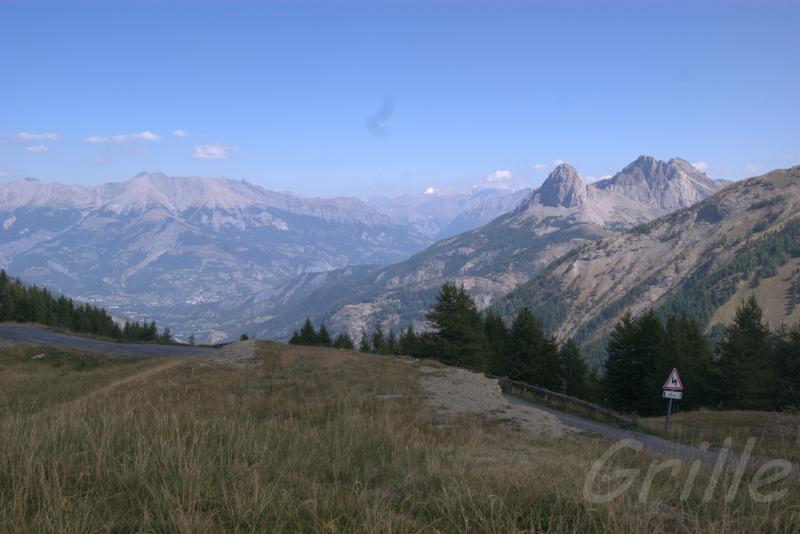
(365, 98)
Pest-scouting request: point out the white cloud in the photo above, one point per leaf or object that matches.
(540, 166)
(498, 176)
(430, 191)
(124, 138)
(4, 174)
(701, 166)
(36, 148)
(214, 151)
(558, 162)
(28, 136)
(788, 157)
(180, 133)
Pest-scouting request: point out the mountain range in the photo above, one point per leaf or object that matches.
(702, 261)
(217, 257)
(562, 214)
(440, 214)
(187, 251)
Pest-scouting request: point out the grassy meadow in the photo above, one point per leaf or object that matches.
(309, 439)
(777, 435)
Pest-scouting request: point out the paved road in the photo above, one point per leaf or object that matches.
(649, 442)
(25, 333)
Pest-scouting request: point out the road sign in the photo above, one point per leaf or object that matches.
(673, 389)
(673, 383)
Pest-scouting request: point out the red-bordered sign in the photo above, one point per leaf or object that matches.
(673, 383)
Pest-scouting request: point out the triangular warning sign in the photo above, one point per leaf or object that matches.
(674, 383)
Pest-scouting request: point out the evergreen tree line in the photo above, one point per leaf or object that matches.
(307, 335)
(32, 304)
(461, 336)
(751, 367)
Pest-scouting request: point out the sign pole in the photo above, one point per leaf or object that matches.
(673, 389)
(669, 412)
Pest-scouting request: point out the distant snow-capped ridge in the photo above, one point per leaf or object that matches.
(177, 194)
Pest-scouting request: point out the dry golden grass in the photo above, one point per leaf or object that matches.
(302, 442)
(777, 435)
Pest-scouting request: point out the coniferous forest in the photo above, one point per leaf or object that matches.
(751, 367)
(31, 304)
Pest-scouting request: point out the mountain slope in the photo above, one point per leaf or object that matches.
(486, 211)
(183, 251)
(564, 213)
(442, 214)
(702, 261)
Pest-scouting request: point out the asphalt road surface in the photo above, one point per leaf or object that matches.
(24, 333)
(649, 442)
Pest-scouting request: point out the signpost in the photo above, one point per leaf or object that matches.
(673, 389)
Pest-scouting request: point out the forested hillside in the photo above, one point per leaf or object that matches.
(751, 367)
(701, 262)
(32, 304)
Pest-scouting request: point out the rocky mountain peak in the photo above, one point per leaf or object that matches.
(668, 185)
(562, 188)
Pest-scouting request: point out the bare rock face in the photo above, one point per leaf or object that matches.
(562, 189)
(668, 185)
(689, 256)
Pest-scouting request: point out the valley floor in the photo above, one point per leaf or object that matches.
(267, 437)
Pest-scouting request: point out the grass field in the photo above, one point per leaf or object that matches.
(777, 435)
(307, 440)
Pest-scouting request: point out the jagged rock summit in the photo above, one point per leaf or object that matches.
(668, 185)
(563, 188)
(645, 189)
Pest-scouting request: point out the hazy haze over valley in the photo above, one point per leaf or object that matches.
(187, 251)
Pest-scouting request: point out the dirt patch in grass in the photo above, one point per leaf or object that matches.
(459, 391)
(235, 355)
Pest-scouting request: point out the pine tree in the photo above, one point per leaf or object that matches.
(744, 363)
(378, 341)
(635, 367)
(308, 336)
(534, 357)
(295, 339)
(787, 365)
(343, 341)
(499, 344)
(688, 351)
(573, 370)
(391, 343)
(458, 329)
(323, 337)
(408, 342)
(364, 345)
(152, 331)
